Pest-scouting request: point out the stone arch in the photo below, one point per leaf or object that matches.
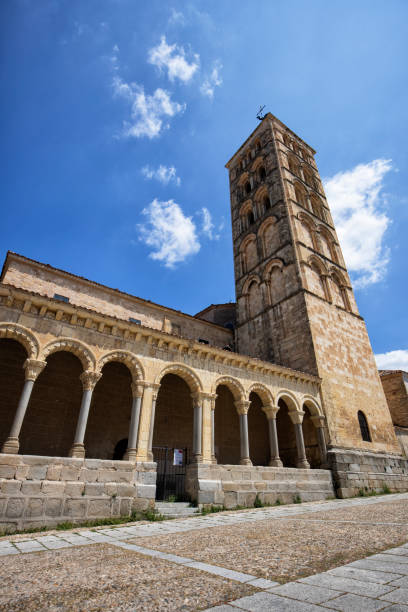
(184, 372)
(23, 336)
(249, 281)
(275, 282)
(263, 392)
(308, 229)
(301, 194)
(317, 277)
(317, 206)
(259, 161)
(126, 357)
(246, 215)
(289, 398)
(243, 179)
(339, 288)
(319, 263)
(269, 235)
(249, 253)
(293, 165)
(312, 405)
(233, 385)
(76, 347)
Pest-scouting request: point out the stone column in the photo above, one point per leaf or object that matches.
(151, 427)
(271, 412)
(242, 409)
(213, 457)
(137, 393)
(146, 422)
(89, 380)
(297, 419)
(198, 427)
(32, 368)
(319, 422)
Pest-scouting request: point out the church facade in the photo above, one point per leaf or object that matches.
(110, 402)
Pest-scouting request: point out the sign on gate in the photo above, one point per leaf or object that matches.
(178, 456)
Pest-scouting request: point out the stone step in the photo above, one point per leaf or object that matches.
(175, 509)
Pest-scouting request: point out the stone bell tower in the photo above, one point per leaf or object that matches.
(295, 303)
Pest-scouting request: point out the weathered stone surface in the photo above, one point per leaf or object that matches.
(99, 507)
(10, 487)
(15, 508)
(53, 506)
(93, 489)
(75, 508)
(34, 507)
(53, 488)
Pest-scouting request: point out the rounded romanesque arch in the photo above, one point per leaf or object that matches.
(308, 230)
(23, 336)
(184, 372)
(249, 253)
(126, 357)
(312, 405)
(301, 195)
(233, 385)
(310, 426)
(339, 289)
(70, 345)
(269, 235)
(289, 398)
(317, 278)
(258, 162)
(275, 281)
(287, 403)
(263, 392)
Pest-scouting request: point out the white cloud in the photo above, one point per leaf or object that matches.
(208, 227)
(148, 112)
(169, 232)
(163, 174)
(173, 57)
(393, 360)
(357, 204)
(176, 17)
(213, 81)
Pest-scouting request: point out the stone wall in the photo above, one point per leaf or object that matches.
(402, 437)
(37, 491)
(395, 385)
(354, 471)
(238, 485)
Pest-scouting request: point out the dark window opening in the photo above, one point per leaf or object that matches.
(267, 203)
(203, 341)
(365, 432)
(120, 450)
(251, 218)
(137, 321)
(226, 348)
(229, 326)
(61, 298)
(247, 187)
(262, 173)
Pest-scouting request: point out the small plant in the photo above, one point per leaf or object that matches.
(64, 526)
(361, 493)
(212, 509)
(386, 490)
(278, 502)
(297, 499)
(258, 502)
(114, 495)
(171, 499)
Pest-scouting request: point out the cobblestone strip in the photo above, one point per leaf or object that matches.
(378, 582)
(114, 534)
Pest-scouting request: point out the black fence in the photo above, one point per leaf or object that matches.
(171, 472)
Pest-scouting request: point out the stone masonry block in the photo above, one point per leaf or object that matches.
(125, 490)
(95, 489)
(7, 471)
(146, 491)
(146, 477)
(54, 472)
(34, 507)
(10, 487)
(98, 464)
(125, 507)
(53, 507)
(6, 459)
(53, 488)
(230, 499)
(37, 472)
(209, 485)
(31, 487)
(99, 507)
(107, 476)
(70, 473)
(206, 497)
(122, 476)
(75, 508)
(111, 488)
(74, 489)
(88, 475)
(15, 507)
(21, 472)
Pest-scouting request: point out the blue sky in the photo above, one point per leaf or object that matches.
(118, 117)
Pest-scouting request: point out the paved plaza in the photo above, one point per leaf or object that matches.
(339, 555)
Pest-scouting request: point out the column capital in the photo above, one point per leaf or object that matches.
(137, 388)
(201, 395)
(89, 379)
(318, 420)
(33, 367)
(296, 416)
(242, 406)
(270, 410)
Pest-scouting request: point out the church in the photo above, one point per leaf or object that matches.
(110, 402)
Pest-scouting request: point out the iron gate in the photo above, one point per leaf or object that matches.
(170, 477)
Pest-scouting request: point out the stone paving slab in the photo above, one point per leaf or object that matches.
(265, 602)
(305, 592)
(348, 585)
(365, 575)
(397, 596)
(355, 603)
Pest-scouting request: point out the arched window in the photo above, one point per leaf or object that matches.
(266, 203)
(248, 187)
(365, 432)
(251, 217)
(262, 173)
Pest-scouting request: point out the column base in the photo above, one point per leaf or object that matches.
(130, 455)
(197, 459)
(214, 459)
(304, 464)
(150, 456)
(245, 461)
(275, 463)
(77, 450)
(11, 446)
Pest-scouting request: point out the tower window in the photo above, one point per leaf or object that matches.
(137, 321)
(262, 173)
(203, 341)
(61, 298)
(248, 187)
(365, 432)
(251, 218)
(266, 203)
